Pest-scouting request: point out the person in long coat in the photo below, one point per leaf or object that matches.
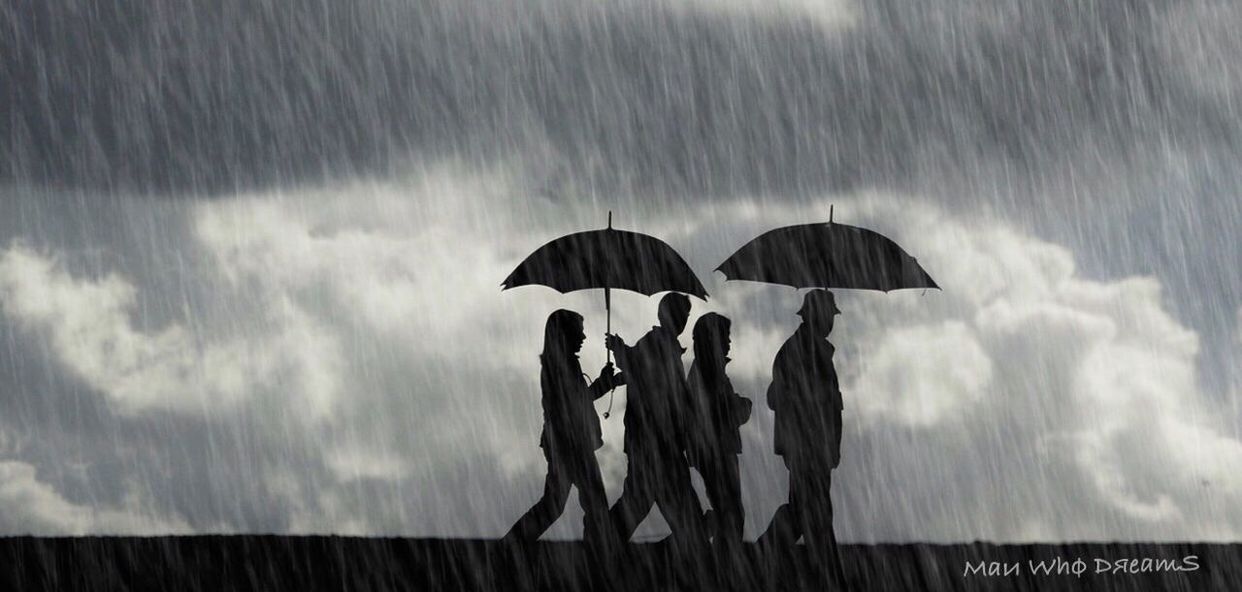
(805, 393)
(715, 442)
(571, 434)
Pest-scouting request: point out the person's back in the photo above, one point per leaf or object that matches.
(805, 394)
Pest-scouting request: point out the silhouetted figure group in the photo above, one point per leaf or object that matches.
(675, 420)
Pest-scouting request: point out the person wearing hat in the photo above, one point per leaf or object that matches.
(806, 396)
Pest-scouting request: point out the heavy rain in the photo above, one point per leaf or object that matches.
(252, 254)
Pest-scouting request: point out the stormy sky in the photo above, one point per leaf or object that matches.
(250, 253)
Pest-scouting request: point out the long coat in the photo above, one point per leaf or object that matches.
(806, 396)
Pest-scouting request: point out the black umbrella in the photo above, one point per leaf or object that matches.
(827, 255)
(607, 259)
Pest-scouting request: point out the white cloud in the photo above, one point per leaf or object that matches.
(29, 506)
(1024, 401)
(88, 324)
(923, 375)
(358, 322)
(1044, 404)
(355, 465)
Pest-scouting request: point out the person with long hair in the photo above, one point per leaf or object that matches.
(571, 434)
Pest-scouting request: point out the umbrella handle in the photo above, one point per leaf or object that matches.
(612, 390)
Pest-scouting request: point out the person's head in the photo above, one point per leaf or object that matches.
(674, 312)
(563, 334)
(819, 310)
(711, 337)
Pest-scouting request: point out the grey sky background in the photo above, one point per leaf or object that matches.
(250, 253)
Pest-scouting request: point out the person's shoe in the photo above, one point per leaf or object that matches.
(709, 523)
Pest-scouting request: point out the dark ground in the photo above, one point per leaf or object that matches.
(340, 563)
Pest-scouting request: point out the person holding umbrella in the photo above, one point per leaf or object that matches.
(655, 434)
(571, 434)
(610, 259)
(607, 259)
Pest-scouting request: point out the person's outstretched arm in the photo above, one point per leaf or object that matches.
(608, 379)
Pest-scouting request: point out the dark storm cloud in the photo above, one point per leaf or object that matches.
(180, 97)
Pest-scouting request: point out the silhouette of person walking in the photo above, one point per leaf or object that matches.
(806, 396)
(717, 413)
(655, 439)
(571, 434)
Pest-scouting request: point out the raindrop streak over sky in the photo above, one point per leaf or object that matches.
(250, 253)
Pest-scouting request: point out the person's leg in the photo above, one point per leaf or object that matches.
(680, 506)
(596, 525)
(820, 538)
(709, 470)
(731, 516)
(678, 502)
(720, 479)
(540, 516)
(636, 498)
(785, 527)
(802, 496)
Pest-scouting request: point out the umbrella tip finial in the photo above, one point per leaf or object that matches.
(830, 207)
(610, 219)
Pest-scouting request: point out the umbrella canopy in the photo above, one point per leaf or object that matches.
(607, 258)
(826, 255)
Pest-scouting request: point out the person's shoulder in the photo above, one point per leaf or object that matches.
(793, 343)
(657, 337)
